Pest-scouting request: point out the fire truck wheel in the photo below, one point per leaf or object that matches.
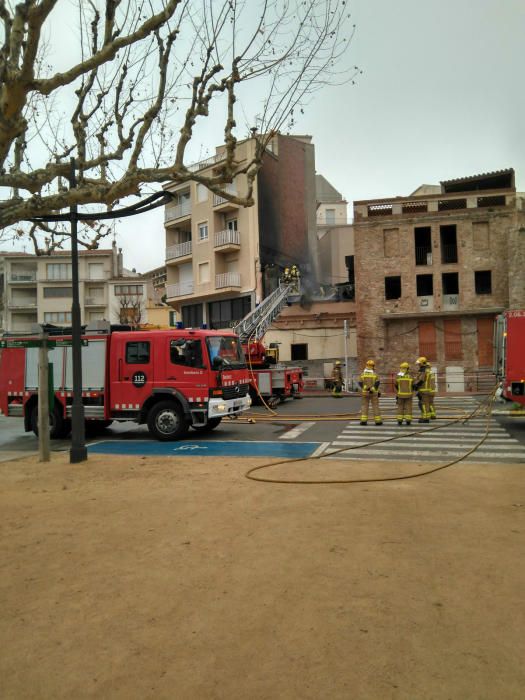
(210, 425)
(166, 421)
(58, 426)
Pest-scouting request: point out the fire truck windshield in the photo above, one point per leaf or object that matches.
(228, 349)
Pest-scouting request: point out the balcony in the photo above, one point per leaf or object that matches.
(177, 211)
(22, 277)
(212, 160)
(228, 279)
(22, 304)
(94, 301)
(224, 203)
(227, 240)
(181, 289)
(179, 250)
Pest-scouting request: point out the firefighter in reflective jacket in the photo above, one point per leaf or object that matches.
(404, 391)
(426, 387)
(369, 383)
(337, 380)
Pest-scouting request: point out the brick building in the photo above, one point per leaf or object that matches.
(432, 271)
(223, 259)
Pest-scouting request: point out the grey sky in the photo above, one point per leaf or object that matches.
(441, 96)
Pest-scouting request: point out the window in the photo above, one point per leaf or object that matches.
(95, 292)
(202, 193)
(391, 242)
(57, 292)
(485, 328)
(203, 232)
(222, 314)
(204, 272)
(453, 345)
(123, 290)
(96, 271)
(58, 271)
(423, 245)
(299, 351)
(137, 353)
(192, 316)
(480, 235)
(231, 224)
(173, 318)
(449, 244)
(96, 316)
(393, 287)
(424, 285)
(57, 317)
(450, 282)
(483, 281)
(427, 339)
(186, 351)
(330, 216)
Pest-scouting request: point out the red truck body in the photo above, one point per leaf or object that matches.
(509, 356)
(199, 377)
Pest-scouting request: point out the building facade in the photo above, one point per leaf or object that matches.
(37, 289)
(433, 270)
(223, 259)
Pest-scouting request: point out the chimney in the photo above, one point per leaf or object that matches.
(120, 266)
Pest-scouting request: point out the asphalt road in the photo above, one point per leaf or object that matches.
(312, 420)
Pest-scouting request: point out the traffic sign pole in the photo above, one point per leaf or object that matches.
(43, 402)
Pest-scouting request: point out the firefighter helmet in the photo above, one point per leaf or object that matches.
(404, 365)
(370, 363)
(338, 362)
(421, 361)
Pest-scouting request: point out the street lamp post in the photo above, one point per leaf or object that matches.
(78, 451)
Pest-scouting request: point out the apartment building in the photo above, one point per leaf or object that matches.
(159, 313)
(37, 289)
(223, 259)
(432, 271)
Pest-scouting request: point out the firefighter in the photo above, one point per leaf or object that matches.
(286, 275)
(426, 387)
(369, 383)
(404, 391)
(337, 380)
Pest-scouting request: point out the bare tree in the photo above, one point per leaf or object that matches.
(147, 75)
(131, 309)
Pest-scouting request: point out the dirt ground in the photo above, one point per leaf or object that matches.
(179, 578)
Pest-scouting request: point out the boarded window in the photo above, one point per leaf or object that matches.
(391, 242)
(480, 235)
(427, 339)
(485, 334)
(453, 345)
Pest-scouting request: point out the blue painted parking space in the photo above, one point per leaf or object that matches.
(215, 448)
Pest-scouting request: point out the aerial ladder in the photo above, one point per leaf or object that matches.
(268, 379)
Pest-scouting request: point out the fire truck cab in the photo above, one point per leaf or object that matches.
(509, 356)
(170, 379)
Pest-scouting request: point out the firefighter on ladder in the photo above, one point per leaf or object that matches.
(426, 388)
(369, 383)
(286, 275)
(337, 380)
(295, 276)
(403, 385)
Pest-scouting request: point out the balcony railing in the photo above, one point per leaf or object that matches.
(423, 255)
(228, 237)
(179, 250)
(94, 301)
(23, 277)
(179, 290)
(206, 162)
(218, 200)
(20, 304)
(175, 211)
(228, 279)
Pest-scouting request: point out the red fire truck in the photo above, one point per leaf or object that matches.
(509, 354)
(170, 379)
(273, 381)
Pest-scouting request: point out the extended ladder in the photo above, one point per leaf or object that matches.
(256, 323)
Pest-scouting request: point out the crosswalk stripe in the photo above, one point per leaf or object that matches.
(431, 456)
(295, 432)
(429, 444)
(388, 433)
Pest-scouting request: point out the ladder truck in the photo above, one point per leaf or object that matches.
(269, 379)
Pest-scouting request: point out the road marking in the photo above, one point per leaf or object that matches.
(298, 430)
(428, 456)
(319, 451)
